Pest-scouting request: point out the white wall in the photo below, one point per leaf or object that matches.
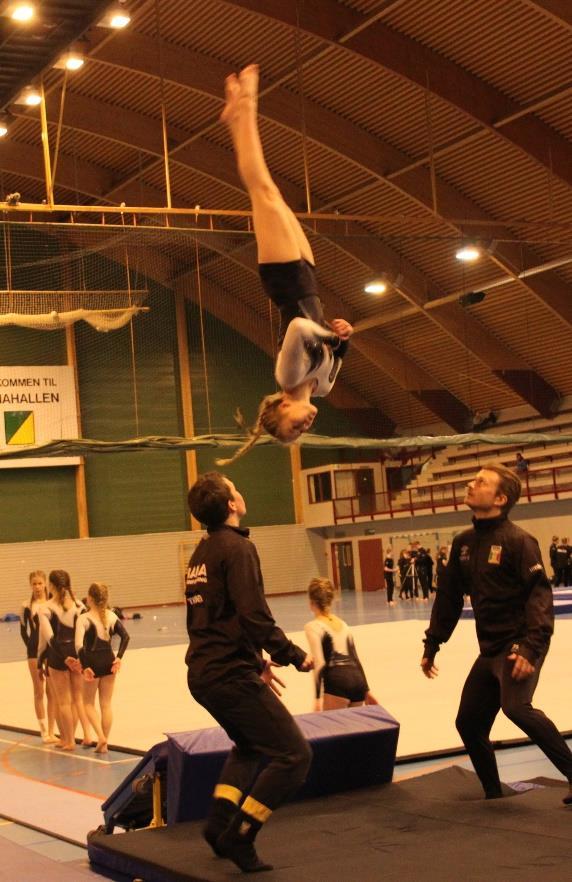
(148, 569)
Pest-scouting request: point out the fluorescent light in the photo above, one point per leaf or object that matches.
(119, 20)
(376, 287)
(117, 17)
(74, 61)
(70, 61)
(468, 253)
(22, 12)
(30, 96)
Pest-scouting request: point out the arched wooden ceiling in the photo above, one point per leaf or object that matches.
(455, 116)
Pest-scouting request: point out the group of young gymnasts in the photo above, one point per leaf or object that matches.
(71, 660)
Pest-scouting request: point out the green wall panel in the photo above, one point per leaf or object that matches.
(130, 388)
(24, 346)
(37, 504)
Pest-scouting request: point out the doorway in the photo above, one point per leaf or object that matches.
(365, 489)
(371, 564)
(343, 566)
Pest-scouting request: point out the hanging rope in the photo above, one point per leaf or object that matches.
(299, 77)
(203, 341)
(163, 109)
(8, 265)
(132, 341)
(59, 129)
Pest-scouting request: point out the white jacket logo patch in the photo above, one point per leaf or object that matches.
(196, 575)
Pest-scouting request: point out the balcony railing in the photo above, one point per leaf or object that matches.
(549, 482)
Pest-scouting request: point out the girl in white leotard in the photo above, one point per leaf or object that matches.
(56, 645)
(100, 665)
(30, 633)
(310, 350)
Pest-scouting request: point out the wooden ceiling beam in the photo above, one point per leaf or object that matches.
(77, 175)
(100, 118)
(559, 11)
(369, 153)
(427, 69)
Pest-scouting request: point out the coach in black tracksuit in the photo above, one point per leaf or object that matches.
(229, 623)
(500, 566)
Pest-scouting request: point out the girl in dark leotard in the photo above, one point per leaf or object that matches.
(57, 645)
(310, 350)
(29, 630)
(100, 665)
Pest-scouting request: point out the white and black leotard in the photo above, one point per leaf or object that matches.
(337, 668)
(57, 633)
(308, 348)
(30, 627)
(93, 642)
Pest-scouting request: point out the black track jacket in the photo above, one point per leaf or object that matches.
(500, 566)
(228, 619)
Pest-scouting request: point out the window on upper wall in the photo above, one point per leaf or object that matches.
(320, 487)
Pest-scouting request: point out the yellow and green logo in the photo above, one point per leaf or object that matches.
(19, 427)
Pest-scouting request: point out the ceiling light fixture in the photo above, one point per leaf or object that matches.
(30, 96)
(378, 286)
(21, 12)
(116, 17)
(5, 122)
(71, 60)
(468, 253)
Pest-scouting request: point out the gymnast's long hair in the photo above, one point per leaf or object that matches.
(99, 593)
(60, 582)
(267, 420)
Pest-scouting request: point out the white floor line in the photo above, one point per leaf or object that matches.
(69, 753)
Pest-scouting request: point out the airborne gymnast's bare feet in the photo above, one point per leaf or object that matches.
(244, 86)
(232, 95)
(248, 78)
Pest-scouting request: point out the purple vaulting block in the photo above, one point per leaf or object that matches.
(351, 748)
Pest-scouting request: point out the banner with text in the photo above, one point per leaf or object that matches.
(37, 405)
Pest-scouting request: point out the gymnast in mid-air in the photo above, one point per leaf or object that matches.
(310, 349)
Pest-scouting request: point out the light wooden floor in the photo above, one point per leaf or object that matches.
(152, 697)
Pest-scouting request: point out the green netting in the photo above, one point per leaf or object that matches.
(87, 446)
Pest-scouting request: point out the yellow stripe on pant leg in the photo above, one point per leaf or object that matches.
(225, 791)
(256, 810)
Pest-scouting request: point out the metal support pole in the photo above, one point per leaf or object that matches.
(46, 149)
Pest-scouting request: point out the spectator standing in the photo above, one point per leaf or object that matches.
(389, 570)
(562, 563)
(553, 557)
(521, 465)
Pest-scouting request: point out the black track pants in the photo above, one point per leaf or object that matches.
(262, 729)
(490, 688)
